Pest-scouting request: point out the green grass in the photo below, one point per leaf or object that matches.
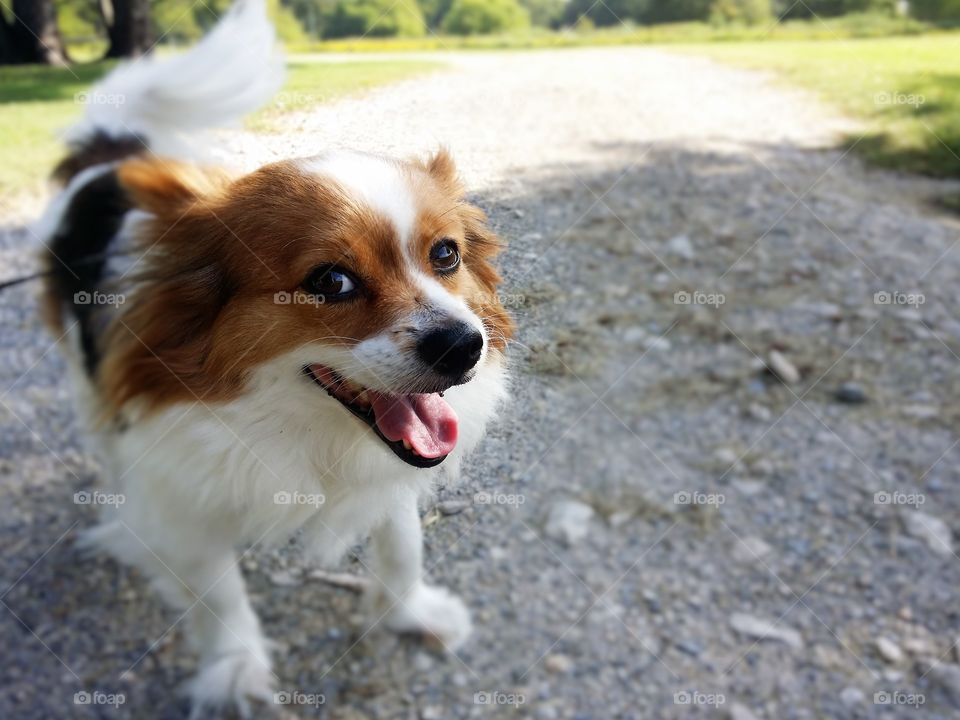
(850, 26)
(906, 89)
(38, 103)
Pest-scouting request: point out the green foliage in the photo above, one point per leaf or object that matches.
(79, 19)
(749, 12)
(483, 17)
(375, 18)
(434, 11)
(936, 10)
(831, 8)
(545, 13)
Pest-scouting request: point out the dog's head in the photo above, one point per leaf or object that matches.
(368, 278)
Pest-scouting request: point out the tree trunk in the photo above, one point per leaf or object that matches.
(32, 35)
(128, 25)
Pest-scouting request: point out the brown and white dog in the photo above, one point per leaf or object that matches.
(312, 345)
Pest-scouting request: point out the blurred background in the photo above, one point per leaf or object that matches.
(725, 485)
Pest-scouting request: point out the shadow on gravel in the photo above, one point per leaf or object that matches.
(669, 494)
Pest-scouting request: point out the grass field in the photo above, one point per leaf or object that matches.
(37, 103)
(906, 89)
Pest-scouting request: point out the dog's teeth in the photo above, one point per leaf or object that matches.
(363, 398)
(407, 445)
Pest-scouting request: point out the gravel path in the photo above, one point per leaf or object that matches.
(659, 518)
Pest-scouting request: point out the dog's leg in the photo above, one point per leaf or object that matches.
(198, 575)
(398, 595)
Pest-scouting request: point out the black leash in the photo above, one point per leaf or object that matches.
(88, 260)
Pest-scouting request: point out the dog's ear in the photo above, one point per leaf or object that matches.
(159, 344)
(441, 167)
(167, 188)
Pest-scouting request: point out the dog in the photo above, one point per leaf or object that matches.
(311, 346)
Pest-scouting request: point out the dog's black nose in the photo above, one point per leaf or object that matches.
(452, 350)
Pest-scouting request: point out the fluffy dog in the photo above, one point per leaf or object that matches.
(311, 345)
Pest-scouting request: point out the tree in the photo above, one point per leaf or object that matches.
(377, 18)
(936, 10)
(481, 17)
(544, 13)
(434, 11)
(610, 12)
(30, 34)
(749, 12)
(128, 27)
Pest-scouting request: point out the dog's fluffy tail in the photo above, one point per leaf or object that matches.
(234, 70)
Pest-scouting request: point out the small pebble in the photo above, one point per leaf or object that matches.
(931, 530)
(889, 650)
(762, 629)
(781, 367)
(569, 521)
(452, 507)
(850, 393)
(557, 663)
(852, 697)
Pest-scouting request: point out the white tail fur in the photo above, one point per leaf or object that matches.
(234, 70)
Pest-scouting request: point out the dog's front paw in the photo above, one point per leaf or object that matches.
(231, 682)
(430, 611)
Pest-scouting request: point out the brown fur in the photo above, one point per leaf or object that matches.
(204, 312)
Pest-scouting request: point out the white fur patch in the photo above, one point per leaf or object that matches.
(380, 183)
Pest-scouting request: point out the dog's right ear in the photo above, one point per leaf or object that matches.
(167, 188)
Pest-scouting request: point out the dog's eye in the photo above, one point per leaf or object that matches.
(330, 283)
(445, 256)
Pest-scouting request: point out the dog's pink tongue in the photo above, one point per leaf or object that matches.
(427, 422)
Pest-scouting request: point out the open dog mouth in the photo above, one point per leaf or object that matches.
(421, 429)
